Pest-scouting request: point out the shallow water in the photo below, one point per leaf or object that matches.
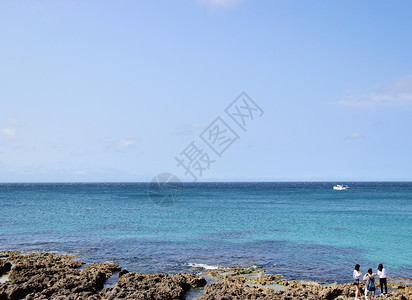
(302, 230)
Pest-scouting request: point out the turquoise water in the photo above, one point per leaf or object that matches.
(301, 230)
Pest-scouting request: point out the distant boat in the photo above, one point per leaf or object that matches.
(340, 187)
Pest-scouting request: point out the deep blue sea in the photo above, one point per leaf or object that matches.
(300, 230)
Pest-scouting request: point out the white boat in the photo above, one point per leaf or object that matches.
(340, 187)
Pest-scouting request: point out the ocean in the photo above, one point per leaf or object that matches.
(302, 230)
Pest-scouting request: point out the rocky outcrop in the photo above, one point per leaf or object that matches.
(56, 276)
(45, 276)
(234, 284)
(153, 286)
(225, 291)
(53, 276)
(228, 291)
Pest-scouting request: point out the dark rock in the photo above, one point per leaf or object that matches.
(190, 279)
(330, 293)
(5, 266)
(122, 272)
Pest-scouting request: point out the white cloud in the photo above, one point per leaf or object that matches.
(220, 3)
(9, 132)
(122, 144)
(354, 135)
(399, 92)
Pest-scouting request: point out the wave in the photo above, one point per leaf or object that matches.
(202, 266)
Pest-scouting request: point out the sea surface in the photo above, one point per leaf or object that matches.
(301, 230)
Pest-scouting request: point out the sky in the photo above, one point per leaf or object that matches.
(120, 91)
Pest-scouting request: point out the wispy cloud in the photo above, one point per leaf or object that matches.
(399, 92)
(220, 3)
(188, 129)
(353, 136)
(9, 132)
(125, 143)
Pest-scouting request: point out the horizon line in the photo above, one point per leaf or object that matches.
(200, 182)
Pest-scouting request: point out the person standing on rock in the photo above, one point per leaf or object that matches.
(370, 284)
(382, 279)
(356, 275)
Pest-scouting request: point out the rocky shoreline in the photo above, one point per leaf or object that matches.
(61, 276)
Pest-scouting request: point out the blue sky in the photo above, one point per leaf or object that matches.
(114, 91)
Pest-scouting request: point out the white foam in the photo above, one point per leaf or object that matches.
(203, 266)
(4, 278)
